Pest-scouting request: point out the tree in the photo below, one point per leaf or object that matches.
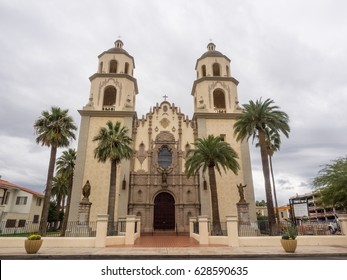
(54, 129)
(114, 145)
(209, 154)
(59, 192)
(255, 119)
(332, 181)
(66, 167)
(273, 143)
(260, 203)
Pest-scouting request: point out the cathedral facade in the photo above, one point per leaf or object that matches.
(153, 184)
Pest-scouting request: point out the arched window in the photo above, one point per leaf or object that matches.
(110, 95)
(216, 69)
(126, 68)
(228, 71)
(164, 157)
(219, 101)
(113, 66)
(203, 70)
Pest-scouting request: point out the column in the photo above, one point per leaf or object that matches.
(233, 234)
(130, 230)
(203, 229)
(101, 230)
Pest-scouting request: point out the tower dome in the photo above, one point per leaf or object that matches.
(212, 63)
(113, 86)
(214, 90)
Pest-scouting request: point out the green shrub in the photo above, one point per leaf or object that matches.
(290, 232)
(34, 237)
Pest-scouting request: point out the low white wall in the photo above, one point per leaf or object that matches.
(195, 236)
(115, 240)
(269, 241)
(50, 242)
(218, 240)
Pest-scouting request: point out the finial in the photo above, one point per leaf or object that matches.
(165, 97)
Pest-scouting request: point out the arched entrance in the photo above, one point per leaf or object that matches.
(164, 212)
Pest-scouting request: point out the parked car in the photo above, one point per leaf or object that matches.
(334, 226)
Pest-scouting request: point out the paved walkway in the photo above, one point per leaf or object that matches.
(178, 247)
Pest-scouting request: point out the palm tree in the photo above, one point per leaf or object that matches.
(114, 145)
(254, 121)
(59, 192)
(66, 167)
(54, 129)
(273, 143)
(209, 154)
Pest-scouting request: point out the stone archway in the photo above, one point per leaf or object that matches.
(164, 212)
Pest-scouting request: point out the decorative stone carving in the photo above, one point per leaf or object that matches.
(128, 102)
(165, 136)
(201, 104)
(141, 154)
(165, 122)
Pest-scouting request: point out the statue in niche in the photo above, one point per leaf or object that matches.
(128, 102)
(241, 192)
(201, 104)
(164, 175)
(86, 191)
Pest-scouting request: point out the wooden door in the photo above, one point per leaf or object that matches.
(164, 212)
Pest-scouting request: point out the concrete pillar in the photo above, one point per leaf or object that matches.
(101, 230)
(203, 229)
(343, 223)
(130, 230)
(138, 220)
(191, 226)
(233, 233)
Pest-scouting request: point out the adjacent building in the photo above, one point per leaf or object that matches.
(307, 206)
(18, 206)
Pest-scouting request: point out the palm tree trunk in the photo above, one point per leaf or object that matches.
(266, 173)
(48, 191)
(67, 211)
(112, 198)
(57, 209)
(274, 189)
(216, 226)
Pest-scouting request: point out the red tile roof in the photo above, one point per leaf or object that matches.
(7, 185)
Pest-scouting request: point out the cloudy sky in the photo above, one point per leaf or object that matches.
(294, 52)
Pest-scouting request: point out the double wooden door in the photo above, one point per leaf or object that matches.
(164, 212)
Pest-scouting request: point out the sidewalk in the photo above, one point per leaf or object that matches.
(131, 252)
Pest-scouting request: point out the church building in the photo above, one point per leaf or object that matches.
(153, 184)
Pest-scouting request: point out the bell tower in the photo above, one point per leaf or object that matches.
(214, 90)
(113, 87)
(215, 108)
(112, 97)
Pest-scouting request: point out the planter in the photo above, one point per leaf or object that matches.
(32, 246)
(289, 245)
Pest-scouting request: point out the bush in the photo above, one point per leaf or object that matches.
(290, 232)
(34, 237)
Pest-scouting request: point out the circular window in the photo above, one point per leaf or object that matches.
(165, 108)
